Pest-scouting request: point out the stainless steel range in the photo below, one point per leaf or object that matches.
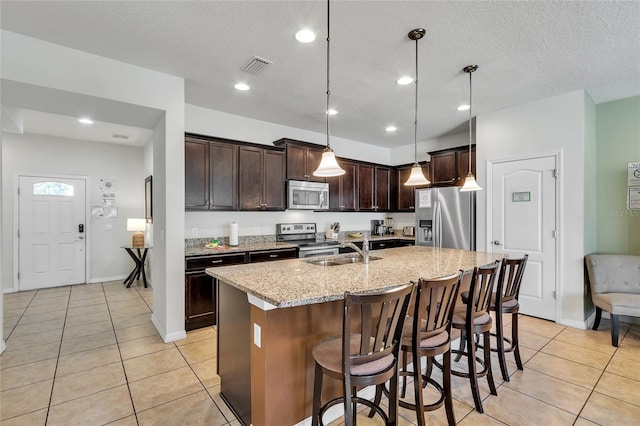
(304, 235)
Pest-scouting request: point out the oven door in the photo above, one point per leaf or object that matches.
(318, 251)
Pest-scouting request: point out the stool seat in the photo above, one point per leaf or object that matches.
(507, 305)
(481, 320)
(328, 353)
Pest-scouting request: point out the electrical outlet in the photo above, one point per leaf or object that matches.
(194, 232)
(257, 338)
(256, 230)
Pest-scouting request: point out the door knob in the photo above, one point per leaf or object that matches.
(81, 237)
(496, 243)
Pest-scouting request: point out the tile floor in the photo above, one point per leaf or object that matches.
(89, 355)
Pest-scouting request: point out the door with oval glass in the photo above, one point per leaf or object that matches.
(523, 221)
(51, 231)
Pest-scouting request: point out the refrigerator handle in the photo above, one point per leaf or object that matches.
(437, 224)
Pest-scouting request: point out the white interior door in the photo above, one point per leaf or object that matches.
(51, 232)
(524, 222)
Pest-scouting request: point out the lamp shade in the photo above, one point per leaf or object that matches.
(416, 177)
(328, 165)
(134, 224)
(470, 184)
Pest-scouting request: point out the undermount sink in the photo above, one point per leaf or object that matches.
(340, 261)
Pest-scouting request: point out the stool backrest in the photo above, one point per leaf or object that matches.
(510, 278)
(382, 317)
(481, 289)
(433, 310)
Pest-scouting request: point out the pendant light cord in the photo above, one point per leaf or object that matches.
(328, 49)
(415, 119)
(470, 140)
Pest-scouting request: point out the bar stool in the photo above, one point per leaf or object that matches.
(477, 321)
(428, 334)
(368, 357)
(505, 301)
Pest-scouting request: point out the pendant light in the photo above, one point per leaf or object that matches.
(470, 183)
(416, 177)
(328, 167)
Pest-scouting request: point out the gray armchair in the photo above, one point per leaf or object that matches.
(615, 287)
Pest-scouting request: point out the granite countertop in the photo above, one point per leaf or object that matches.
(296, 282)
(273, 245)
(241, 248)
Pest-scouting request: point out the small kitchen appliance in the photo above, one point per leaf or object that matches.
(303, 195)
(409, 231)
(378, 227)
(304, 235)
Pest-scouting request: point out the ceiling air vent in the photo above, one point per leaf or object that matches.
(255, 65)
(117, 136)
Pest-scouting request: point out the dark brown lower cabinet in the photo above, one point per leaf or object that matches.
(200, 301)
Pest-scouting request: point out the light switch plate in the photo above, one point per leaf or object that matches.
(257, 338)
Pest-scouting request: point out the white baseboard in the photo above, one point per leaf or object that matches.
(581, 325)
(167, 338)
(2, 346)
(106, 279)
(8, 290)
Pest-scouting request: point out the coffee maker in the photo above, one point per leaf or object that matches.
(377, 227)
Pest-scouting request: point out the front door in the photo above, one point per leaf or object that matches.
(523, 218)
(51, 232)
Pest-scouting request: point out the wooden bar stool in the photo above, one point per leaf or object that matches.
(505, 301)
(428, 334)
(477, 321)
(367, 357)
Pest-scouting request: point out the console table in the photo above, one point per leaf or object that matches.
(139, 256)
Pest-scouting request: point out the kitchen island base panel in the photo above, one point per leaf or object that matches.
(234, 351)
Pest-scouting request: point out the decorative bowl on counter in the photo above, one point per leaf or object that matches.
(355, 234)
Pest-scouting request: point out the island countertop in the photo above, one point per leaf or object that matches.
(297, 282)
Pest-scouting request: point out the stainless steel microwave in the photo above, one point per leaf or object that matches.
(304, 195)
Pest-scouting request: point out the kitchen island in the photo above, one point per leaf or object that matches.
(271, 314)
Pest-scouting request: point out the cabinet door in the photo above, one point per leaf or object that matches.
(348, 186)
(196, 178)
(366, 194)
(200, 300)
(223, 172)
(383, 188)
(406, 194)
(444, 168)
(274, 180)
(250, 176)
(296, 162)
(463, 164)
(314, 156)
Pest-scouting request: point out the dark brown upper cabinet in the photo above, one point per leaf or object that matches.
(261, 178)
(303, 159)
(383, 188)
(374, 188)
(450, 166)
(406, 194)
(210, 175)
(343, 190)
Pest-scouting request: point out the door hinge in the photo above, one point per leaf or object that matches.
(554, 173)
(18, 190)
(554, 294)
(18, 233)
(18, 275)
(554, 234)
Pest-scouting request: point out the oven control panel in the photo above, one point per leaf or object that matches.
(295, 228)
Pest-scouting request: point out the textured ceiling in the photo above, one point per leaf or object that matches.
(525, 51)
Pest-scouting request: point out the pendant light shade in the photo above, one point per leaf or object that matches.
(470, 183)
(416, 177)
(329, 166)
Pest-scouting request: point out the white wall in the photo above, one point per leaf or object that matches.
(215, 123)
(405, 154)
(23, 154)
(28, 60)
(555, 124)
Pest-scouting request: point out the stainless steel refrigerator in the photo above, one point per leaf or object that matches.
(446, 217)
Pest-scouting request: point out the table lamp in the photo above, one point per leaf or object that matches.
(137, 226)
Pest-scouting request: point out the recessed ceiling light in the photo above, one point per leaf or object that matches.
(85, 120)
(241, 86)
(403, 81)
(391, 129)
(332, 112)
(305, 36)
(463, 107)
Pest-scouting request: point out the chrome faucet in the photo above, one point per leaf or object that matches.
(365, 248)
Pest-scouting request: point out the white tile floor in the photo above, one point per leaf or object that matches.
(89, 355)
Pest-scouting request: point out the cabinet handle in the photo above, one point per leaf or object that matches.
(273, 256)
(381, 244)
(216, 261)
